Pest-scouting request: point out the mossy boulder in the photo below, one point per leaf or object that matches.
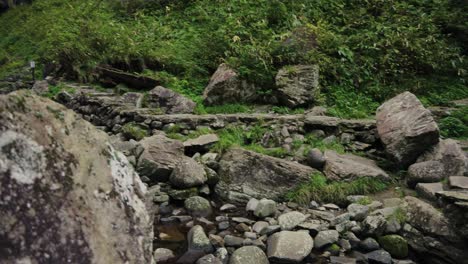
(198, 206)
(396, 245)
(134, 131)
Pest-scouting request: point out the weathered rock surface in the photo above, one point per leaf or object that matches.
(290, 220)
(289, 246)
(160, 156)
(326, 237)
(406, 128)
(449, 153)
(429, 190)
(225, 86)
(460, 182)
(248, 255)
(66, 196)
(200, 144)
(351, 167)
(40, 87)
(188, 173)
(425, 172)
(169, 101)
(245, 174)
(298, 85)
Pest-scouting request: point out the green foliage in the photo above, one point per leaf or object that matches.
(56, 89)
(456, 125)
(134, 131)
(315, 142)
(364, 201)
(320, 190)
(367, 51)
(283, 110)
(228, 109)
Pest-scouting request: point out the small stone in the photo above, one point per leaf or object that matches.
(250, 235)
(259, 226)
(228, 208)
(340, 219)
(198, 206)
(223, 225)
(251, 205)
(163, 255)
(222, 254)
(289, 221)
(265, 207)
(315, 159)
(327, 237)
(342, 260)
(209, 259)
(242, 227)
(249, 255)
(270, 230)
(331, 206)
(289, 246)
(233, 241)
(369, 244)
(358, 212)
(242, 220)
(314, 205)
(216, 241)
(374, 224)
(221, 218)
(198, 241)
(344, 244)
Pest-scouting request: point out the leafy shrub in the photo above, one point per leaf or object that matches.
(453, 127)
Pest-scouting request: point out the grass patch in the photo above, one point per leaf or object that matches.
(134, 131)
(283, 110)
(321, 190)
(315, 142)
(456, 125)
(54, 90)
(227, 109)
(399, 215)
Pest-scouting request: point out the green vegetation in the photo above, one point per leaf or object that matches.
(364, 201)
(456, 125)
(367, 51)
(321, 190)
(134, 131)
(56, 89)
(399, 215)
(313, 141)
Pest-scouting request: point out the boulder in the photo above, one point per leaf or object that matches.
(245, 174)
(248, 255)
(160, 157)
(290, 220)
(66, 196)
(169, 102)
(198, 206)
(298, 85)
(315, 159)
(406, 128)
(425, 172)
(460, 182)
(163, 255)
(289, 247)
(198, 241)
(265, 208)
(379, 257)
(40, 87)
(201, 144)
(226, 87)
(395, 245)
(325, 238)
(429, 190)
(357, 211)
(449, 153)
(188, 173)
(350, 167)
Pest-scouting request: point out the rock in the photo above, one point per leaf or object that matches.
(298, 85)
(350, 167)
(369, 244)
(460, 182)
(188, 173)
(226, 87)
(184, 194)
(265, 208)
(160, 157)
(67, 196)
(163, 255)
(270, 230)
(289, 221)
(198, 206)
(273, 176)
(395, 245)
(259, 226)
(201, 144)
(251, 205)
(358, 212)
(374, 224)
(429, 190)
(425, 172)
(325, 238)
(342, 260)
(315, 159)
(249, 255)
(209, 259)
(406, 128)
(450, 154)
(40, 87)
(242, 220)
(331, 206)
(379, 257)
(198, 241)
(223, 255)
(169, 101)
(242, 227)
(289, 247)
(228, 208)
(233, 241)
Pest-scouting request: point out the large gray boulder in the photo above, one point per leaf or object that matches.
(431, 234)
(449, 153)
(289, 246)
(226, 86)
(298, 85)
(160, 157)
(169, 102)
(350, 167)
(201, 144)
(66, 196)
(245, 174)
(188, 173)
(406, 128)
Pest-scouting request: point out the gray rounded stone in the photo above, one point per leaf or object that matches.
(198, 206)
(265, 208)
(327, 237)
(290, 220)
(249, 255)
(289, 246)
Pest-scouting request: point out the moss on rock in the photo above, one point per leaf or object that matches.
(396, 245)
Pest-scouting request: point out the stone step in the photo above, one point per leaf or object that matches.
(458, 182)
